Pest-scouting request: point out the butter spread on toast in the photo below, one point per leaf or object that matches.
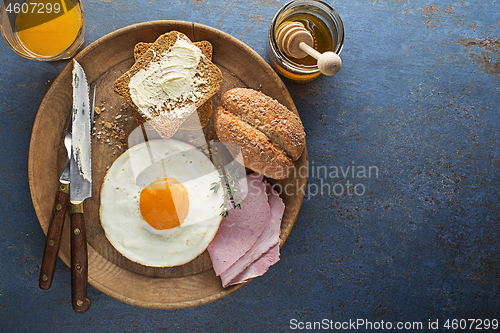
(171, 79)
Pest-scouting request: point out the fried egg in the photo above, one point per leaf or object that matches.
(157, 208)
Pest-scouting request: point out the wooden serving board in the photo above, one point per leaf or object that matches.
(194, 283)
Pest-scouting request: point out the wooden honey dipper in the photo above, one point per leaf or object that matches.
(296, 42)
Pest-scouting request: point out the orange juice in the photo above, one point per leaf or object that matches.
(49, 37)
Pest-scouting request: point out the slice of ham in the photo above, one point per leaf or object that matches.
(259, 266)
(241, 228)
(264, 252)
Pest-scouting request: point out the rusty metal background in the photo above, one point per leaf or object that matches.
(401, 218)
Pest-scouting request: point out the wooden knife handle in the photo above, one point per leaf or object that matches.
(79, 261)
(54, 236)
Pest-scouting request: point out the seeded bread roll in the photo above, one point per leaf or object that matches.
(200, 118)
(270, 136)
(167, 119)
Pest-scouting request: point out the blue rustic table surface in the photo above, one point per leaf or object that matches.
(414, 242)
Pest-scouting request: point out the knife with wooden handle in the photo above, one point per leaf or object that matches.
(56, 222)
(81, 187)
(79, 261)
(54, 236)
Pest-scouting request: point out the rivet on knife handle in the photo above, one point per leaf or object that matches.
(79, 261)
(54, 236)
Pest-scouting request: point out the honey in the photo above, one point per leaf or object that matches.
(321, 21)
(47, 38)
(319, 31)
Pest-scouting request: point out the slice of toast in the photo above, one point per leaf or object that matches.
(141, 48)
(202, 117)
(168, 117)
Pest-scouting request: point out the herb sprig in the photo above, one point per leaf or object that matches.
(231, 200)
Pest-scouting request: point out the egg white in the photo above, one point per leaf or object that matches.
(120, 215)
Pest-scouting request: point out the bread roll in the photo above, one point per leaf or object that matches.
(270, 136)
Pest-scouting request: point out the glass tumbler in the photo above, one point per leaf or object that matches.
(45, 30)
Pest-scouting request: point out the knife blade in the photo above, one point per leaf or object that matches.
(56, 223)
(81, 187)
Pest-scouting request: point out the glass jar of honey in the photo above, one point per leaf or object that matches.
(43, 30)
(321, 21)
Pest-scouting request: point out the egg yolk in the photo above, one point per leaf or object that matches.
(164, 203)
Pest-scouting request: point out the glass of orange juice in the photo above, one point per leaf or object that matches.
(45, 30)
